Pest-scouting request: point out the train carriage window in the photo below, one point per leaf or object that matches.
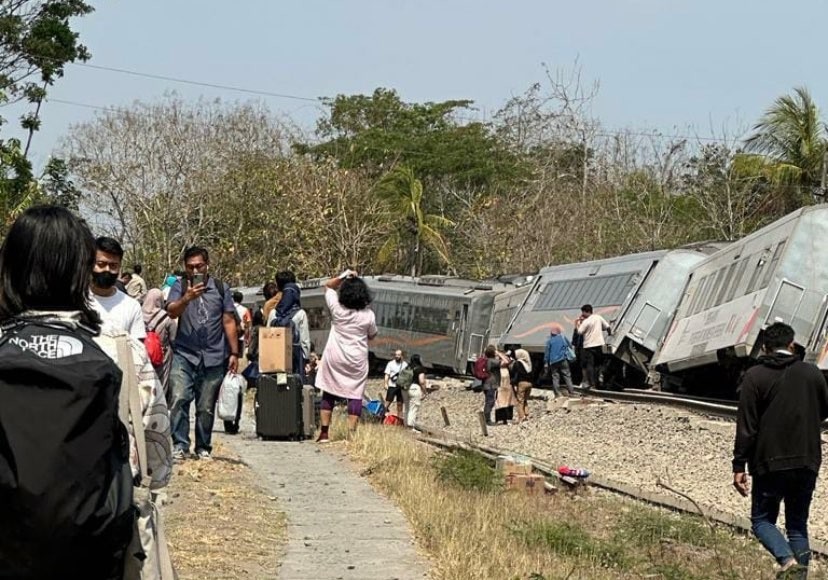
(756, 276)
(572, 294)
(714, 288)
(698, 301)
(777, 254)
(696, 294)
(731, 271)
(737, 279)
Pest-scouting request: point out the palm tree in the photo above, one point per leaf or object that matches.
(403, 194)
(791, 140)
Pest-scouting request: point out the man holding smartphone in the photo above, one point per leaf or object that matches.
(206, 347)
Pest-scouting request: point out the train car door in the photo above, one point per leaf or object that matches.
(817, 348)
(461, 317)
(786, 303)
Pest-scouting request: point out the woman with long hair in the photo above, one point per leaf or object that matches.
(65, 482)
(522, 382)
(344, 369)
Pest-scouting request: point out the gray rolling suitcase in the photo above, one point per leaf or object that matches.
(279, 407)
(311, 402)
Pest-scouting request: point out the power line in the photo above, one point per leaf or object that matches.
(278, 95)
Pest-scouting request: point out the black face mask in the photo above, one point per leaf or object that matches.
(104, 279)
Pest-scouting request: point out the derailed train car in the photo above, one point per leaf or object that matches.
(772, 275)
(558, 293)
(646, 314)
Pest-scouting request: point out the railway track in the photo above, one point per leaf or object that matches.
(670, 499)
(716, 407)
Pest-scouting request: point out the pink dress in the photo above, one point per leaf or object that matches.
(344, 368)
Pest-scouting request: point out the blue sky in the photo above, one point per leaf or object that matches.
(702, 64)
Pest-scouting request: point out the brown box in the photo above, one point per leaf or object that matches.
(528, 484)
(507, 465)
(275, 350)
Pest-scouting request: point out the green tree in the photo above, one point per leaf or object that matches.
(37, 42)
(378, 131)
(417, 231)
(790, 139)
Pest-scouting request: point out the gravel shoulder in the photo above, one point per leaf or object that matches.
(629, 443)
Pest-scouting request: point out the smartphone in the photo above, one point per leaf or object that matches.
(198, 279)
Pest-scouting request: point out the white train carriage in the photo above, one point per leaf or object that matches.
(559, 292)
(645, 316)
(443, 319)
(506, 306)
(774, 274)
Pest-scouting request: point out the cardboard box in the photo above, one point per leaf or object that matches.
(508, 464)
(529, 484)
(275, 349)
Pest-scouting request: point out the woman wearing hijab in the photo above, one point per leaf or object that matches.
(156, 320)
(505, 398)
(522, 381)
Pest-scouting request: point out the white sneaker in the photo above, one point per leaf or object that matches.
(204, 455)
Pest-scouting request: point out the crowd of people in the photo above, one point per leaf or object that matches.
(99, 371)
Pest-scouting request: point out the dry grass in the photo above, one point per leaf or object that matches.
(221, 525)
(472, 534)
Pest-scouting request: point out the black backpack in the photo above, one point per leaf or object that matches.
(65, 479)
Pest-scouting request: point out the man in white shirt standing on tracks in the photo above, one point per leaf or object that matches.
(591, 327)
(394, 391)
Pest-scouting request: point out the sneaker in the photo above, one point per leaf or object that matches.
(178, 454)
(323, 438)
(794, 572)
(204, 455)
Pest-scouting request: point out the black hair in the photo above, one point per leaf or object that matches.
(258, 317)
(194, 251)
(284, 278)
(416, 361)
(137, 269)
(45, 264)
(238, 297)
(490, 351)
(777, 336)
(587, 308)
(269, 291)
(354, 294)
(109, 246)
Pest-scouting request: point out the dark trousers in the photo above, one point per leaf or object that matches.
(593, 357)
(491, 397)
(795, 487)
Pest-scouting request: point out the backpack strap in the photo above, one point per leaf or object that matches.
(159, 318)
(129, 402)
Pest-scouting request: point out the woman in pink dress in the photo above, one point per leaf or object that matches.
(344, 369)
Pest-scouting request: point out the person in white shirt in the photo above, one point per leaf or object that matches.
(137, 287)
(591, 327)
(118, 311)
(394, 391)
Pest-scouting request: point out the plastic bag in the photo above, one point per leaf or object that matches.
(228, 399)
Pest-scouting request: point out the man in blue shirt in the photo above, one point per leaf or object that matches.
(556, 360)
(206, 347)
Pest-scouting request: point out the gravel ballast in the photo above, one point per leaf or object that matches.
(634, 444)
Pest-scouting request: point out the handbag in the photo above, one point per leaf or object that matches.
(251, 372)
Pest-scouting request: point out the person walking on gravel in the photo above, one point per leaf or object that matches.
(344, 369)
(555, 359)
(782, 404)
(394, 392)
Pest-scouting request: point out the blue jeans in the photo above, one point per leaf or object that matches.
(201, 383)
(795, 487)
